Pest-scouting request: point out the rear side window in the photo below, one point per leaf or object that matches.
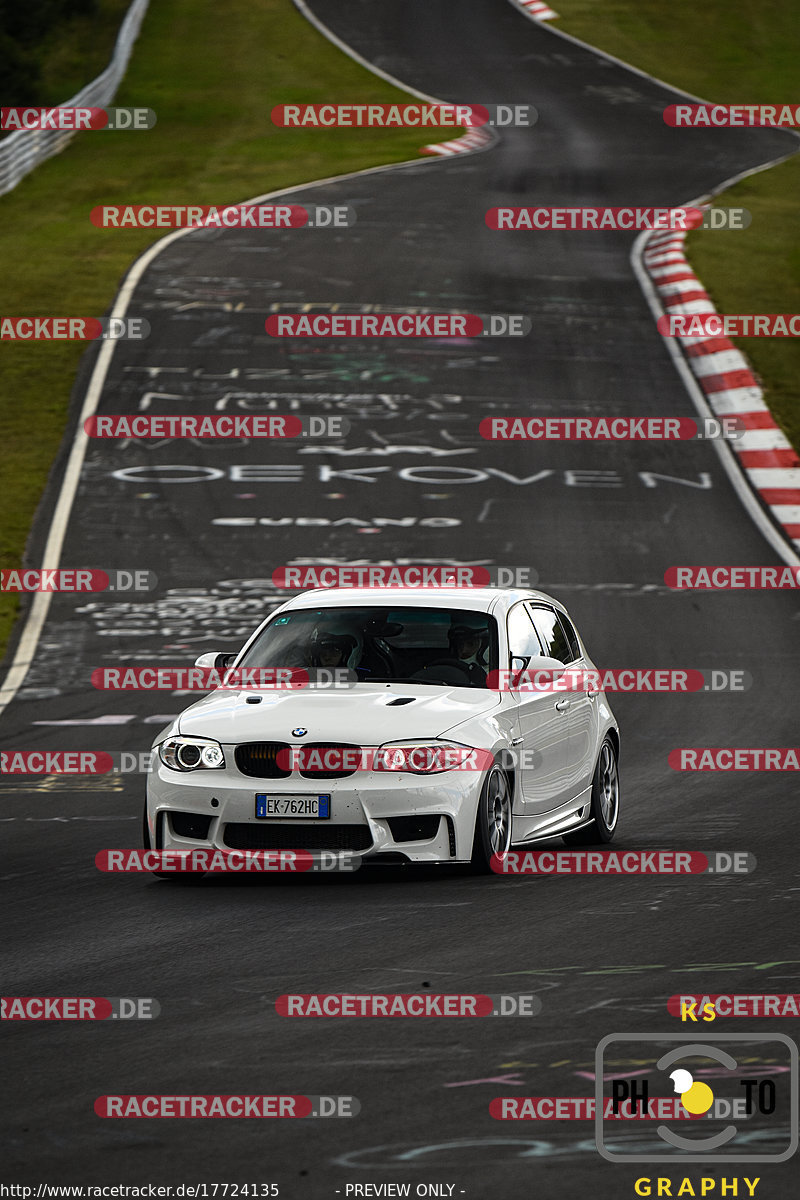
(551, 634)
(571, 636)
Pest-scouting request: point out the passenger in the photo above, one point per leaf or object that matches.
(466, 644)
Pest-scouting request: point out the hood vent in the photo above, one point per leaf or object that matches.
(401, 700)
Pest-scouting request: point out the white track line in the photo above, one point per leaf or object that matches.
(744, 482)
(37, 615)
(474, 145)
(742, 479)
(34, 623)
(568, 37)
(723, 449)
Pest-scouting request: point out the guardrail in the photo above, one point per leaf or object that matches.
(26, 148)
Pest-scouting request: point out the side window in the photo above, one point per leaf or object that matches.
(551, 634)
(522, 639)
(571, 636)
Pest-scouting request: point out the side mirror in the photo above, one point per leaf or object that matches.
(530, 664)
(517, 663)
(214, 660)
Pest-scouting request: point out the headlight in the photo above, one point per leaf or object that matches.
(191, 754)
(426, 758)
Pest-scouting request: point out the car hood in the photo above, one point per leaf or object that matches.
(363, 714)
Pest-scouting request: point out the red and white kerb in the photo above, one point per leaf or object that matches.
(766, 456)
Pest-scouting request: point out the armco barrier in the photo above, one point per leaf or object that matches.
(26, 148)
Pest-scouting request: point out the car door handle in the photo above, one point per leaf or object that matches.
(562, 705)
(516, 741)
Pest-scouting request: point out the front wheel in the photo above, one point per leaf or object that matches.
(605, 804)
(493, 821)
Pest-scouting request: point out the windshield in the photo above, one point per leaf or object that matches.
(448, 647)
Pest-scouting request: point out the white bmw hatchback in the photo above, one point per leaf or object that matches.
(435, 748)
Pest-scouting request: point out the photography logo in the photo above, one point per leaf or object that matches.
(738, 1098)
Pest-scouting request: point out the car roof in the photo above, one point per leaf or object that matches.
(484, 600)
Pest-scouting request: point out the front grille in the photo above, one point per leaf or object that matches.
(413, 829)
(189, 825)
(259, 760)
(299, 836)
(321, 772)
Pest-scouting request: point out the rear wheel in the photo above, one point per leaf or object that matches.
(605, 803)
(493, 821)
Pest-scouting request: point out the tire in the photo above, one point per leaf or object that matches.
(173, 876)
(605, 804)
(492, 822)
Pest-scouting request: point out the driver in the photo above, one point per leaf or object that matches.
(332, 650)
(466, 644)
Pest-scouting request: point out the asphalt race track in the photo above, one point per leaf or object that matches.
(599, 524)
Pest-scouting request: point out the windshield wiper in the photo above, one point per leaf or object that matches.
(390, 679)
(398, 679)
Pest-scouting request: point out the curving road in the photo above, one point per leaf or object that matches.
(599, 524)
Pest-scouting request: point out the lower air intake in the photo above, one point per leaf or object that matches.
(246, 836)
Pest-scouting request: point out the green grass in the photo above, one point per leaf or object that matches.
(727, 51)
(49, 52)
(758, 270)
(212, 75)
(78, 50)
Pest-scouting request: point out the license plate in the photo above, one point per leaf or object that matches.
(296, 807)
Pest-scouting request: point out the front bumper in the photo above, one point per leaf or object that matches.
(423, 818)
